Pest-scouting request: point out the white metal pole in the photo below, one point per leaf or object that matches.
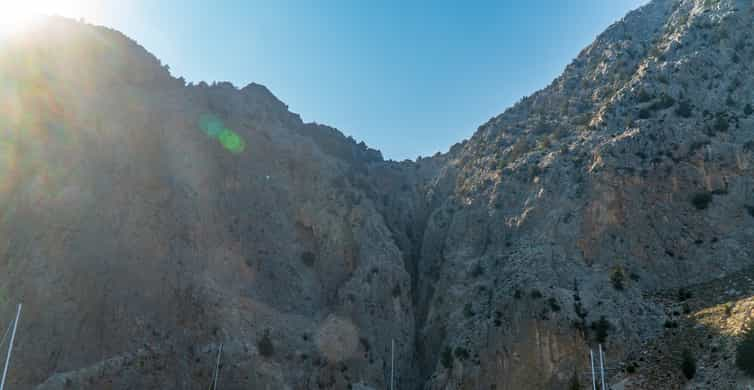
(591, 361)
(392, 364)
(10, 346)
(602, 368)
(217, 368)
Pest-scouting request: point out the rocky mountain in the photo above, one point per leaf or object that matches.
(150, 226)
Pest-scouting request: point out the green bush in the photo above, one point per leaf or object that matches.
(745, 352)
(573, 383)
(446, 358)
(664, 102)
(721, 124)
(684, 294)
(644, 96)
(688, 364)
(554, 305)
(684, 109)
(601, 329)
(461, 353)
(617, 277)
(264, 345)
(308, 258)
(701, 200)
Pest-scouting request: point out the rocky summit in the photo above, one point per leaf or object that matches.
(150, 226)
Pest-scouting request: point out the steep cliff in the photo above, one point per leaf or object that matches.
(146, 222)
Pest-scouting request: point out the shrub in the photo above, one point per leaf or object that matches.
(644, 96)
(518, 294)
(573, 383)
(264, 345)
(446, 358)
(665, 101)
(748, 110)
(669, 324)
(745, 352)
(750, 209)
(683, 294)
(461, 353)
(720, 124)
(688, 364)
(468, 312)
(618, 277)
(308, 258)
(477, 271)
(644, 113)
(729, 101)
(601, 329)
(701, 200)
(536, 294)
(554, 305)
(728, 309)
(684, 109)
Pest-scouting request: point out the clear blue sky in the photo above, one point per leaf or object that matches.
(409, 78)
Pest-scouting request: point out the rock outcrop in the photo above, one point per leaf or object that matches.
(148, 225)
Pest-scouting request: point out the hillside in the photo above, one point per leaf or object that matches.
(145, 222)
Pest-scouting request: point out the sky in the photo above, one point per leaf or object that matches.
(409, 78)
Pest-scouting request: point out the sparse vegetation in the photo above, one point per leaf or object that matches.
(446, 358)
(684, 109)
(701, 200)
(688, 364)
(264, 345)
(683, 294)
(745, 352)
(573, 383)
(644, 96)
(308, 258)
(665, 101)
(601, 328)
(721, 123)
(618, 277)
(554, 305)
(461, 353)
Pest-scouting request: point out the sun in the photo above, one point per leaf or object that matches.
(15, 15)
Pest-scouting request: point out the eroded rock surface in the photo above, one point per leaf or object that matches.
(146, 222)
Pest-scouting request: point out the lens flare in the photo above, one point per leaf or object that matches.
(215, 128)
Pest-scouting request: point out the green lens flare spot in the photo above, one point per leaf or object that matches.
(232, 141)
(211, 125)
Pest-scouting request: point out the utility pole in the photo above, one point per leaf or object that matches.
(594, 377)
(10, 347)
(392, 364)
(602, 368)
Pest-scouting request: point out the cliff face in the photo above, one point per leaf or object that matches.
(146, 222)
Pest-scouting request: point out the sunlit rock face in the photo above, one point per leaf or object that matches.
(146, 223)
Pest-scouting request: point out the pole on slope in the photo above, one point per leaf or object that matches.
(213, 385)
(392, 364)
(602, 368)
(10, 347)
(591, 361)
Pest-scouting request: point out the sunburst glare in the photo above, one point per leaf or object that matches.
(17, 15)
